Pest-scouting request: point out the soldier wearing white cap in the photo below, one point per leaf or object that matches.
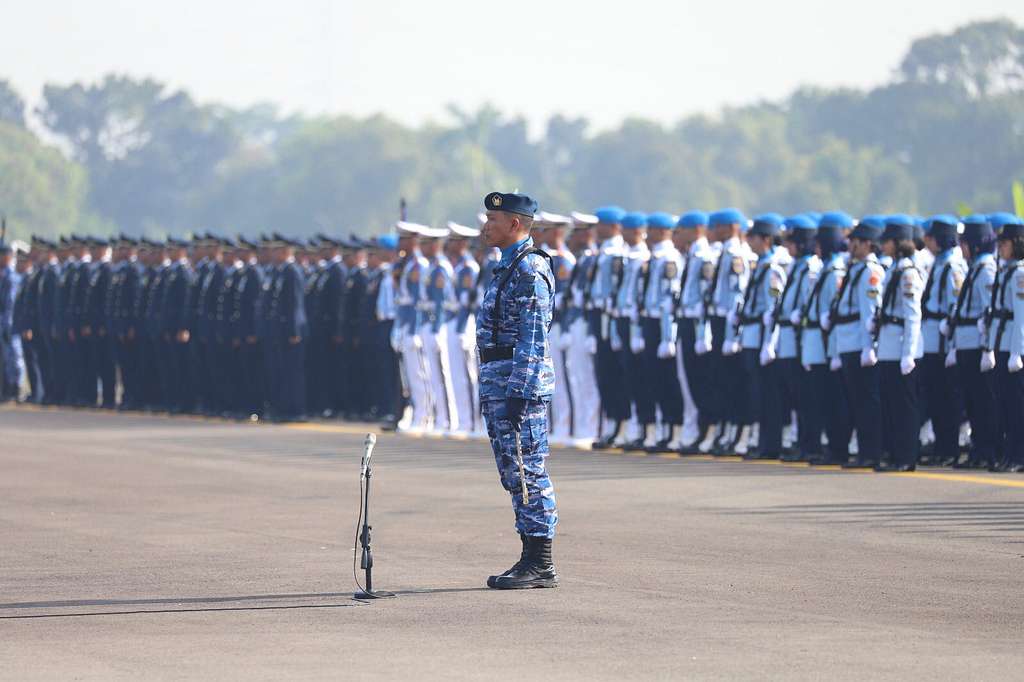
(437, 306)
(552, 239)
(405, 338)
(461, 332)
(579, 358)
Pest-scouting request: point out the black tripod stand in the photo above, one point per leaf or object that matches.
(363, 538)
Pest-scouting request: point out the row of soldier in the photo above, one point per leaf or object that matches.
(815, 338)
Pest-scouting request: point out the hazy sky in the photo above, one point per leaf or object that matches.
(659, 59)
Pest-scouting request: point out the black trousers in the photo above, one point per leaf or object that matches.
(865, 401)
(660, 377)
(943, 403)
(790, 373)
(980, 401)
(698, 378)
(766, 399)
(614, 401)
(631, 369)
(900, 416)
(1010, 394)
(30, 355)
(719, 370)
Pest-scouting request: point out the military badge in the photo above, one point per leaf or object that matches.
(737, 265)
(439, 280)
(467, 280)
(707, 271)
(563, 272)
(670, 270)
(414, 275)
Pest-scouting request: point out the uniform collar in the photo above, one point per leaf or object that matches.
(510, 252)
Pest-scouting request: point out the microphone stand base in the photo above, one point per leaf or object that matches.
(373, 595)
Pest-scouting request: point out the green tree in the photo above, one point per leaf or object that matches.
(12, 106)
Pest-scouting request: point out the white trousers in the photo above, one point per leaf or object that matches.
(583, 383)
(561, 401)
(439, 377)
(414, 367)
(462, 363)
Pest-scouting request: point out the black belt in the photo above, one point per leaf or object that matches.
(784, 323)
(812, 324)
(967, 321)
(1002, 314)
(750, 319)
(890, 319)
(845, 319)
(497, 353)
(929, 315)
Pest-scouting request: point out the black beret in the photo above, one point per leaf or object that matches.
(510, 203)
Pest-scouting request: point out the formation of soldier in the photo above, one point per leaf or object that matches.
(884, 342)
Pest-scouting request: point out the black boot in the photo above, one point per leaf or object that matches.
(522, 558)
(608, 442)
(533, 570)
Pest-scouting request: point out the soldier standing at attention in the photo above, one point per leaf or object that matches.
(516, 382)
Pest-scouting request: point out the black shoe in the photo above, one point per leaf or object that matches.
(857, 463)
(533, 570)
(606, 443)
(1015, 468)
(659, 447)
(522, 558)
(635, 445)
(901, 468)
(792, 456)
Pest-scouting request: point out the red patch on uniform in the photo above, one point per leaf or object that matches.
(874, 280)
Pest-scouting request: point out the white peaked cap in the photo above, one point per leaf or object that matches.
(554, 218)
(481, 218)
(410, 228)
(584, 218)
(462, 231)
(434, 232)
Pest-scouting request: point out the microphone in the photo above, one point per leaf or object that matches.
(371, 440)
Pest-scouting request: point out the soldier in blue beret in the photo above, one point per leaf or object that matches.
(897, 334)
(517, 381)
(1006, 340)
(941, 391)
(851, 321)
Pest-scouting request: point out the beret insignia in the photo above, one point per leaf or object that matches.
(496, 200)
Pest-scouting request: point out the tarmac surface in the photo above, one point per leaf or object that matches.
(144, 547)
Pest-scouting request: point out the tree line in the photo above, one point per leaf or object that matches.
(946, 133)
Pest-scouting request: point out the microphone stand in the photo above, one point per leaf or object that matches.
(366, 561)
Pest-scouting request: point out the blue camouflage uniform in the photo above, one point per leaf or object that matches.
(515, 362)
(9, 349)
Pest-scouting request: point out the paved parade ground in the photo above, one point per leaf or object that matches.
(138, 547)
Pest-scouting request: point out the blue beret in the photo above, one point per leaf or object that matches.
(662, 220)
(693, 219)
(767, 224)
(874, 221)
(899, 220)
(974, 219)
(510, 203)
(978, 231)
(868, 228)
(728, 216)
(801, 222)
(898, 231)
(813, 215)
(610, 214)
(836, 219)
(633, 220)
(388, 241)
(1002, 219)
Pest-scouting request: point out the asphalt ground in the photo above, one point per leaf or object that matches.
(143, 547)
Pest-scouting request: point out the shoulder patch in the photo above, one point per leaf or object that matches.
(737, 265)
(414, 275)
(439, 280)
(563, 271)
(874, 279)
(670, 269)
(467, 280)
(707, 270)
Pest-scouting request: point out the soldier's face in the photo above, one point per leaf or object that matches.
(431, 248)
(889, 248)
(5, 260)
(860, 248)
(1006, 249)
(633, 237)
(500, 230)
(656, 235)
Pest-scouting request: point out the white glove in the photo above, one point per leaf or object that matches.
(951, 358)
(415, 342)
(988, 361)
(767, 354)
(807, 367)
(467, 341)
(982, 329)
(768, 318)
(565, 341)
(615, 342)
(907, 365)
(666, 349)
(825, 322)
(944, 328)
(1014, 364)
(868, 358)
(590, 344)
(795, 317)
(397, 339)
(637, 345)
(701, 347)
(835, 364)
(730, 348)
